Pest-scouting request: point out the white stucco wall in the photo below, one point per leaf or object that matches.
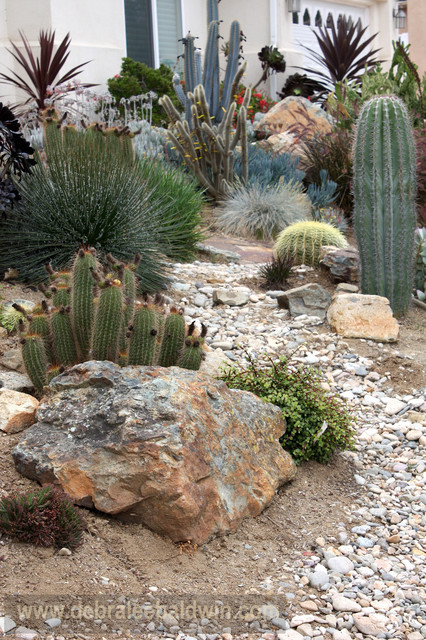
(97, 31)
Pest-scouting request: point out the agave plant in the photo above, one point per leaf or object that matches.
(344, 52)
(43, 73)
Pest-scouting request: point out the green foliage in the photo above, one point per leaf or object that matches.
(44, 517)
(302, 241)
(261, 212)
(87, 191)
(420, 277)
(384, 195)
(136, 78)
(10, 316)
(275, 273)
(318, 422)
(420, 139)
(105, 310)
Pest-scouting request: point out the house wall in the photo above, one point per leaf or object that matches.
(416, 20)
(97, 34)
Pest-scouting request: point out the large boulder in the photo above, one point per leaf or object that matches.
(363, 316)
(309, 299)
(188, 457)
(297, 116)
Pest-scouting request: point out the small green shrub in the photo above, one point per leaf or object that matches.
(333, 216)
(302, 241)
(44, 517)
(136, 78)
(261, 212)
(318, 422)
(10, 316)
(275, 273)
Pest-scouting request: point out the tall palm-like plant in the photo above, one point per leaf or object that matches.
(42, 73)
(344, 53)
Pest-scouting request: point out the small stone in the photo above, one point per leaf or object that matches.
(200, 300)
(22, 633)
(16, 381)
(53, 622)
(340, 603)
(12, 359)
(6, 624)
(371, 625)
(17, 410)
(169, 621)
(309, 605)
(393, 539)
(281, 623)
(296, 621)
(340, 564)
(290, 634)
(341, 634)
(64, 552)
(413, 435)
(233, 298)
(394, 406)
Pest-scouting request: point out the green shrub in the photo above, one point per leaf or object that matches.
(10, 317)
(318, 422)
(89, 190)
(334, 216)
(44, 517)
(262, 212)
(302, 241)
(136, 78)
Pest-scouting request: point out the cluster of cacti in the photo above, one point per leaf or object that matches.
(95, 315)
(206, 139)
(384, 187)
(302, 241)
(420, 279)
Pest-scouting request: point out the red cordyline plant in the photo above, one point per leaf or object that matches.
(43, 73)
(344, 54)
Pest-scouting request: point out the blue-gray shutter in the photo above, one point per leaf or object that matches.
(169, 20)
(139, 31)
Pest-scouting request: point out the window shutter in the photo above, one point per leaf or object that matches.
(169, 20)
(139, 31)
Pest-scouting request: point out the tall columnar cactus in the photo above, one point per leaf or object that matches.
(35, 361)
(384, 187)
(173, 337)
(82, 304)
(302, 241)
(108, 320)
(64, 346)
(143, 335)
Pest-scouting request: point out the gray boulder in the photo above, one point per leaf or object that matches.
(310, 299)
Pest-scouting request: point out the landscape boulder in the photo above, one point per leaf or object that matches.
(304, 119)
(309, 299)
(17, 410)
(231, 297)
(363, 316)
(173, 449)
(343, 264)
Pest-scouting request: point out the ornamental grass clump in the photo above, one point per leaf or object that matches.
(44, 517)
(318, 422)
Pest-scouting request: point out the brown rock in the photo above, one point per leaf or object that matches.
(17, 410)
(284, 143)
(12, 359)
(343, 264)
(188, 457)
(297, 116)
(363, 316)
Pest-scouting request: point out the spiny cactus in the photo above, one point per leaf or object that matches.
(302, 241)
(108, 320)
(118, 332)
(192, 353)
(384, 187)
(35, 361)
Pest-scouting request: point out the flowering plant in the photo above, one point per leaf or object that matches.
(258, 103)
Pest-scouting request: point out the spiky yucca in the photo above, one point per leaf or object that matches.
(302, 241)
(263, 212)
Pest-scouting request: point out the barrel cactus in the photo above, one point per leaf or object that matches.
(302, 241)
(384, 186)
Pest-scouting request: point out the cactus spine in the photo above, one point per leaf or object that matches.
(63, 337)
(143, 336)
(82, 304)
(384, 188)
(302, 241)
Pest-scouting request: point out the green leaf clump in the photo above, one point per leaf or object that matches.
(318, 421)
(44, 516)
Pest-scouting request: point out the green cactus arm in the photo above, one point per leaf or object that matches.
(35, 361)
(212, 11)
(231, 69)
(64, 345)
(108, 321)
(172, 341)
(82, 302)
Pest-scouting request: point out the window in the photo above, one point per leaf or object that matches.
(329, 21)
(139, 31)
(295, 17)
(169, 21)
(318, 19)
(306, 18)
